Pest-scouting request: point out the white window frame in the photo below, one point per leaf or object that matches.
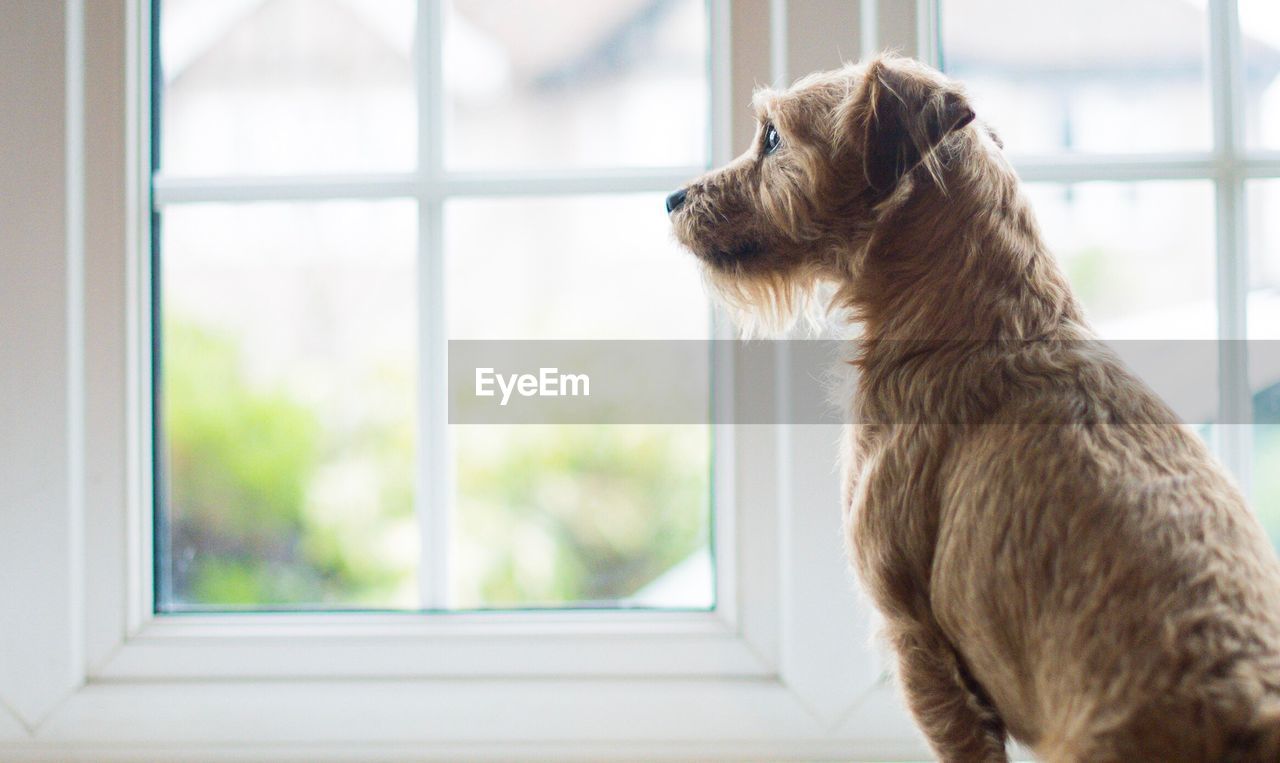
(778, 670)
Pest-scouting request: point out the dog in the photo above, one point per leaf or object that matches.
(1055, 558)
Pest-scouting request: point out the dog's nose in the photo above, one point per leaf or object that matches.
(676, 199)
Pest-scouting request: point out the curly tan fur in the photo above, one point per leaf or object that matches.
(1056, 559)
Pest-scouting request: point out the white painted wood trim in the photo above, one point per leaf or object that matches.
(433, 485)
(107, 284)
(12, 730)
(1235, 443)
(516, 646)
(680, 720)
(41, 412)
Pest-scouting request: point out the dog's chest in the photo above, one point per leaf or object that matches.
(890, 511)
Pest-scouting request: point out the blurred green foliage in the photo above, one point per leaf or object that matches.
(276, 501)
(576, 514)
(246, 528)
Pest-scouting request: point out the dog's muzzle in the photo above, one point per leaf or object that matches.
(676, 199)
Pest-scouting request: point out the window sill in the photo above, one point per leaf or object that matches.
(482, 720)
(520, 645)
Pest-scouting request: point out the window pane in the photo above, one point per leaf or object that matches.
(287, 402)
(1260, 38)
(577, 515)
(1266, 465)
(1264, 259)
(263, 87)
(576, 83)
(1090, 75)
(578, 267)
(1264, 355)
(1139, 255)
(598, 516)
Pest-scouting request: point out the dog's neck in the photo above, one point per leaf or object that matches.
(948, 279)
(964, 261)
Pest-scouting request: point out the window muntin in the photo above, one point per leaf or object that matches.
(376, 502)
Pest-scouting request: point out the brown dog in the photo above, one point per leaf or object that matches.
(1056, 559)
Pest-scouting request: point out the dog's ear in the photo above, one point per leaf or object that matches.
(904, 116)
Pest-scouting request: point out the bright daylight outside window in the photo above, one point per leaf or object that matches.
(338, 193)
(1139, 226)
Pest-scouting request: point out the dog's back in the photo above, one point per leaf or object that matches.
(1102, 578)
(1107, 590)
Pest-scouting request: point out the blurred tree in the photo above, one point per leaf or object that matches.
(576, 514)
(243, 462)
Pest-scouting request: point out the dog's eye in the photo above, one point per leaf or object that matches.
(771, 139)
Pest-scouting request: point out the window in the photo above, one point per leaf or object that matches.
(383, 195)
(342, 187)
(362, 163)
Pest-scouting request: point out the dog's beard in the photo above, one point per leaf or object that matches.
(768, 304)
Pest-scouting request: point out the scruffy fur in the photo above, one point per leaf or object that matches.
(1055, 558)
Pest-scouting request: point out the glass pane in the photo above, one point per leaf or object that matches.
(605, 515)
(557, 268)
(1264, 355)
(1089, 76)
(263, 87)
(1264, 259)
(1139, 255)
(582, 516)
(1266, 471)
(1260, 38)
(287, 400)
(576, 83)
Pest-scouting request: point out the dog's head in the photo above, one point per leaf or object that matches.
(791, 211)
